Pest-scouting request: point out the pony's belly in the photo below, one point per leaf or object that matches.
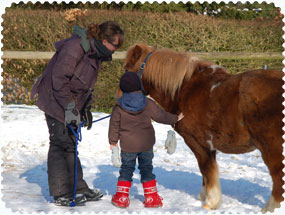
(236, 147)
(239, 150)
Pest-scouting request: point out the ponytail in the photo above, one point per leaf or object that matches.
(93, 31)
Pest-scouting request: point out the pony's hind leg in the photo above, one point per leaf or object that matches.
(272, 157)
(273, 160)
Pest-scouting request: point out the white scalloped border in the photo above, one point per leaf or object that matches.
(7, 3)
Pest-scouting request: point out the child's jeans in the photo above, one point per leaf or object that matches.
(129, 164)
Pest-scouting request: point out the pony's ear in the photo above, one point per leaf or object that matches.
(132, 57)
(119, 93)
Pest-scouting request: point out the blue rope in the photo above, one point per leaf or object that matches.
(101, 119)
(78, 136)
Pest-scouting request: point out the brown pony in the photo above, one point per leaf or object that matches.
(230, 113)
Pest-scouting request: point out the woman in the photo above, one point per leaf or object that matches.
(65, 95)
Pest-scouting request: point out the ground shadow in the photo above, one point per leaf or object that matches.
(107, 181)
(38, 175)
(242, 190)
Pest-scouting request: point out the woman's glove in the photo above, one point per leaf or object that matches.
(87, 117)
(116, 160)
(170, 142)
(71, 115)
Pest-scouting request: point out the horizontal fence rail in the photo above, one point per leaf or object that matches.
(121, 55)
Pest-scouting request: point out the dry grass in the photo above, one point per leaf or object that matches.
(38, 30)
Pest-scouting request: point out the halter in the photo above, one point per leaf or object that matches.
(141, 71)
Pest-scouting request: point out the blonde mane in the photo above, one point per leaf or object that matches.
(167, 69)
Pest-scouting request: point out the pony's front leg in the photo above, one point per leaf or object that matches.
(210, 193)
(202, 195)
(211, 190)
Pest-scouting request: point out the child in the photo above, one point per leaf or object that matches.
(131, 124)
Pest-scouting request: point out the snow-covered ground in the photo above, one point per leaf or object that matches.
(245, 181)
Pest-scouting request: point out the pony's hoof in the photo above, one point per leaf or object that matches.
(271, 205)
(207, 207)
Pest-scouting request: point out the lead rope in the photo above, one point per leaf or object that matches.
(78, 137)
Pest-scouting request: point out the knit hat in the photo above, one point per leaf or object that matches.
(130, 82)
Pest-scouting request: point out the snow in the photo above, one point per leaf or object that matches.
(245, 181)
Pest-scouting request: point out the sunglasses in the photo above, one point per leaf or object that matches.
(114, 45)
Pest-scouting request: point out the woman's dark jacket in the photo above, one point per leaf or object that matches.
(70, 75)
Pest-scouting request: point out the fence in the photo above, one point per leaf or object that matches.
(16, 86)
(121, 55)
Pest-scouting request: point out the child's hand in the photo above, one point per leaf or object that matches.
(180, 116)
(114, 145)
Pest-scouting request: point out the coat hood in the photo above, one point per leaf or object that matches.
(82, 33)
(133, 102)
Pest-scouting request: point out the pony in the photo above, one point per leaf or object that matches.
(225, 112)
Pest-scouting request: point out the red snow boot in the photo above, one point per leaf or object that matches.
(152, 199)
(121, 198)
